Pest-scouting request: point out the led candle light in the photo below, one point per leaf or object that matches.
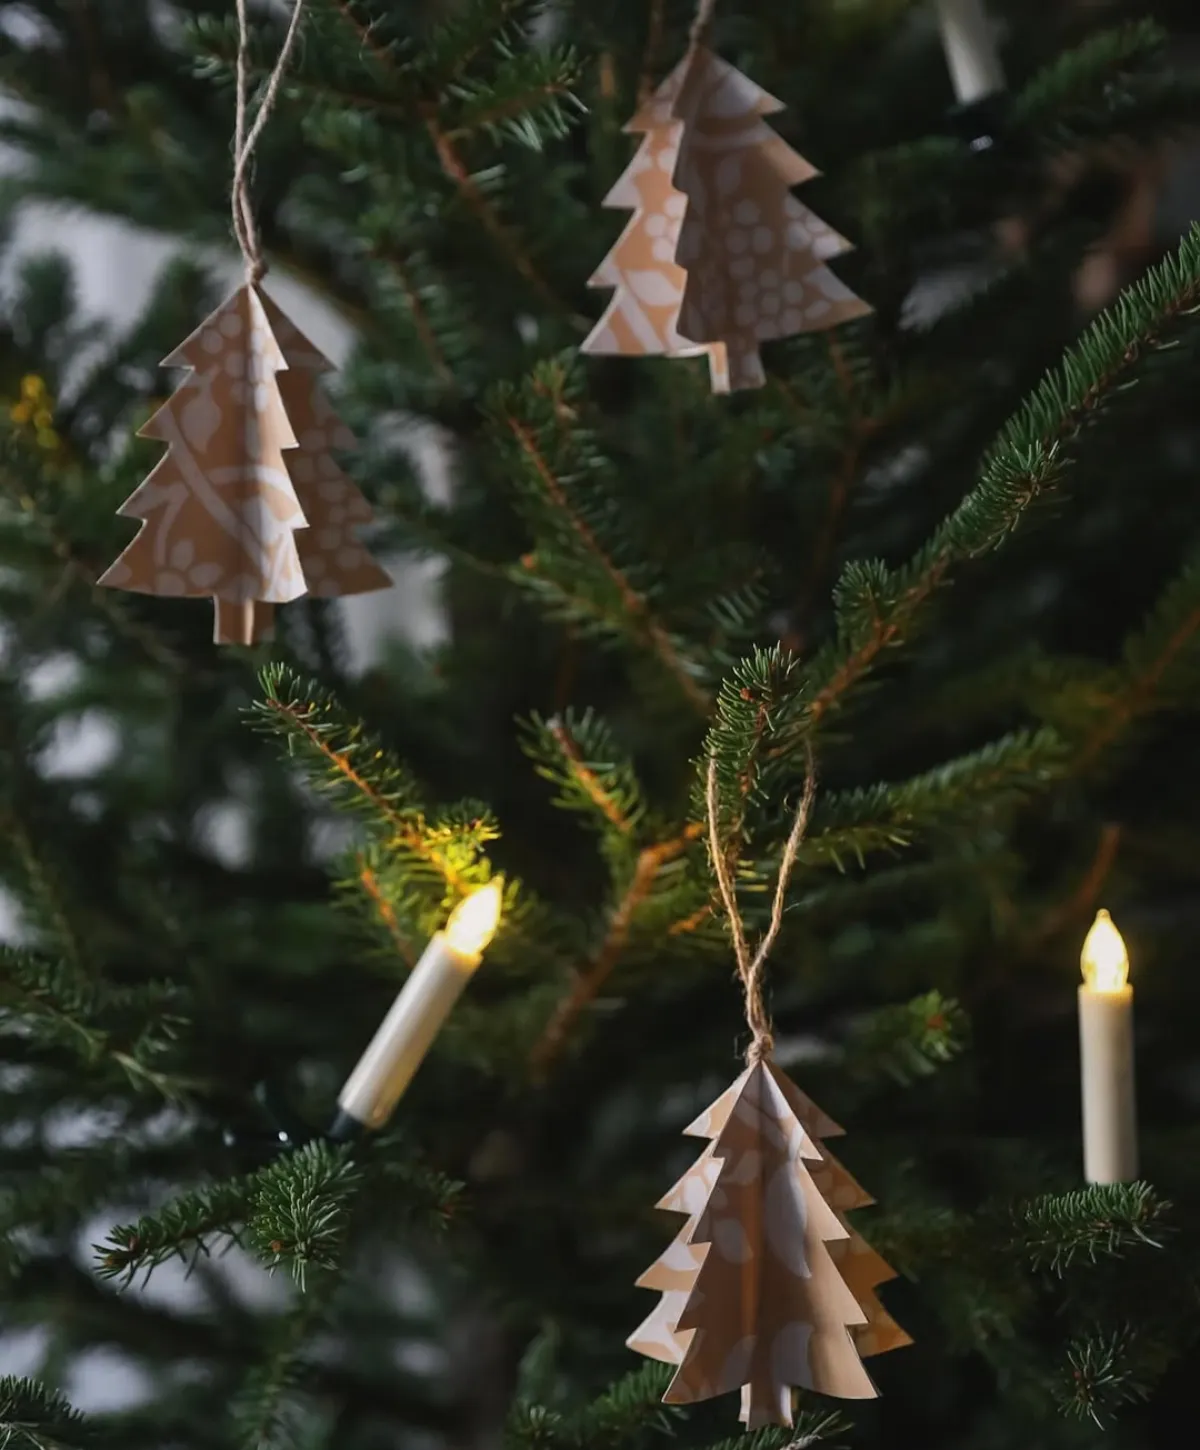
(971, 52)
(1106, 1057)
(395, 1052)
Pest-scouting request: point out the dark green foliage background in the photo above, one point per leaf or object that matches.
(957, 561)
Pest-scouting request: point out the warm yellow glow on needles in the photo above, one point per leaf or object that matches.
(474, 920)
(1104, 958)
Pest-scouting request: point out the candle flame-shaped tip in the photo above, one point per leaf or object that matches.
(474, 920)
(1104, 959)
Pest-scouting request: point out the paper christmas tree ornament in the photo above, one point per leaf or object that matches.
(766, 1287)
(719, 257)
(247, 504)
(642, 317)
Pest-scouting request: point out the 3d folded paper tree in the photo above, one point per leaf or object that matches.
(247, 505)
(766, 1287)
(642, 317)
(718, 257)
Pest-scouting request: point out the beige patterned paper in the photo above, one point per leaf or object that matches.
(766, 1287)
(642, 317)
(247, 505)
(754, 255)
(719, 257)
(332, 560)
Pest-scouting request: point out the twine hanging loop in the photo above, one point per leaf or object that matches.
(245, 228)
(701, 23)
(751, 966)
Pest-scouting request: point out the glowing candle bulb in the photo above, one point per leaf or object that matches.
(473, 922)
(1104, 959)
(393, 1055)
(1106, 1056)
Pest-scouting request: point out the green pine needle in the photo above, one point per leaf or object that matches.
(33, 1417)
(299, 1207)
(1102, 1221)
(910, 1040)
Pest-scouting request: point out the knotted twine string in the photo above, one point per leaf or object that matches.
(751, 967)
(245, 229)
(701, 23)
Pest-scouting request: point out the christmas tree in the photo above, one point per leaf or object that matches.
(947, 551)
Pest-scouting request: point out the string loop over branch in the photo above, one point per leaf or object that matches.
(751, 966)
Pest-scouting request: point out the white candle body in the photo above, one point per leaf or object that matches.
(396, 1051)
(971, 51)
(1109, 1111)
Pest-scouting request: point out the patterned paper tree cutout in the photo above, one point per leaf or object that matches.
(766, 1287)
(246, 505)
(642, 317)
(754, 255)
(332, 559)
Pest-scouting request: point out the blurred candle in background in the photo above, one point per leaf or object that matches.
(971, 52)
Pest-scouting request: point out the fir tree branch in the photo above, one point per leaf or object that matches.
(809, 1427)
(908, 1041)
(1100, 1221)
(527, 97)
(181, 1229)
(293, 1212)
(590, 979)
(878, 608)
(1077, 83)
(1150, 656)
(633, 1404)
(46, 891)
(368, 879)
(839, 494)
(58, 1003)
(298, 1208)
(885, 816)
(422, 325)
(578, 753)
(35, 1418)
(344, 761)
(556, 425)
(457, 171)
(1107, 1369)
(264, 1412)
(1082, 901)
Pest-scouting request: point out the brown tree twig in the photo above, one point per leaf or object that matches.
(1082, 900)
(369, 882)
(634, 604)
(1126, 709)
(455, 168)
(589, 981)
(420, 318)
(404, 831)
(587, 779)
